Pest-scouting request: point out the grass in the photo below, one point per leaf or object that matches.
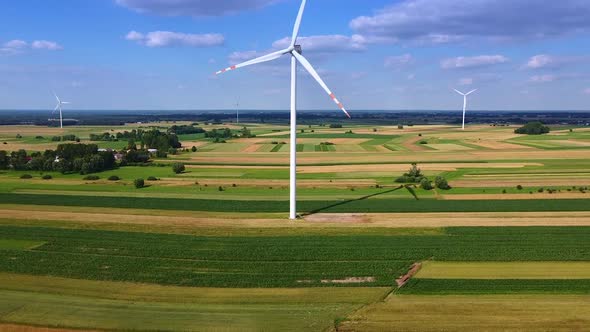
(473, 313)
(504, 270)
(9, 244)
(61, 302)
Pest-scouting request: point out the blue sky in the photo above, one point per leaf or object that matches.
(378, 54)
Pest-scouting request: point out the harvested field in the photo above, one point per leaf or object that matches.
(411, 144)
(534, 195)
(451, 219)
(450, 147)
(405, 167)
(541, 183)
(497, 145)
(473, 313)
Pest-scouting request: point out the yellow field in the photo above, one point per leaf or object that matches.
(504, 270)
(474, 313)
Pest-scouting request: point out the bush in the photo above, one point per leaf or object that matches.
(152, 178)
(92, 178)
(220, 188)
(426, 184)
(400, 126)
(178, 168)
(194, 149)
(533, 128)
(47, 177)
(139, 183)
(519, 187)
(423, 142)
(114, 178)
(441, 183)
(335, 125)
(26, 176)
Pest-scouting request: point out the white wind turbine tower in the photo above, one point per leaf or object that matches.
(464, 102)
(295, 52)
(58, 107)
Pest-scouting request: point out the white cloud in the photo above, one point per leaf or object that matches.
(547, 78)
(542, 78)
(17, 46)
(473, 62)
(544, 61)
(46, 45)
(194, 7)
(399, 61)
(324, 43)
(438, 21)
(168, 38)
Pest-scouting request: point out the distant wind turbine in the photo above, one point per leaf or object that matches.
(464, 102)
(295, 52)
(58, 107)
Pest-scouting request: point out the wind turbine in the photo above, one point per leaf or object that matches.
(464, 102)
(58, 107)
(296, 56)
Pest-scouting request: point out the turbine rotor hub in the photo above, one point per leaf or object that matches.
(298, 49)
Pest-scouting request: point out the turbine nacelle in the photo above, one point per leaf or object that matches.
(297, 48)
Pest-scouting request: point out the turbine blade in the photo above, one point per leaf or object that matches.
(57, 98)
(459, 92)
(317, 77)
(298, 23)
(470, 92)
(56, 108)
(65, 102)
(264, 58)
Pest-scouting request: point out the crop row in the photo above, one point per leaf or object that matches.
(495, 286)
(357, 206)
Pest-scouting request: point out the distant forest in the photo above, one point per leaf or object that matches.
(107, 118)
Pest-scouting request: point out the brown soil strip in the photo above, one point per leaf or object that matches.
(401, 281)
(351, 280)
(411, 145)
(499, 183)
(410, 220)
(495, 145)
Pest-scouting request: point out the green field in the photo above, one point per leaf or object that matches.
(507, 248)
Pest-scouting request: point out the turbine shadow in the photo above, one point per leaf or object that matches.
(350, 201)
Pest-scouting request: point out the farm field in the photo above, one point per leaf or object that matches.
(210, 248)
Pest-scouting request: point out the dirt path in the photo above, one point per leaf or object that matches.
(401, 281)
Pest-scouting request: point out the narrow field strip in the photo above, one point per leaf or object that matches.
(473, 313)
(343, 206)
(504, 270)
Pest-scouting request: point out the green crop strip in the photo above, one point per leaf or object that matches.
(275, 261)
(359, 205)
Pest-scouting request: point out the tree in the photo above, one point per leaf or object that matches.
(533, 128)
(178, 168)
(194, 149)
(139, 183)
(414, 175)
(426, 184)
(4, 160)
(441, 183)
